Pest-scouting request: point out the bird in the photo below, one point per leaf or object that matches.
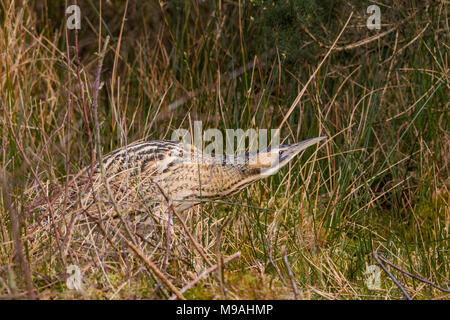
(154, 176)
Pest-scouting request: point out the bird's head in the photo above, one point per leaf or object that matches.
(269, 161)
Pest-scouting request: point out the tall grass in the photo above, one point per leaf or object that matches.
(380, 183)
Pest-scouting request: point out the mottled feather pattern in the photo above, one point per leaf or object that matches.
(133, 172)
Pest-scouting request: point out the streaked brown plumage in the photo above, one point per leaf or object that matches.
(141, 176)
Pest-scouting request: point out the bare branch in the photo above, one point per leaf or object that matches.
(377, 259)
(290, 274)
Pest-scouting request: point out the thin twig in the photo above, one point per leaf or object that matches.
(98, 142)
(414, 276)
(290, 273)
(377, 259)
(84, 106)
(352, 45)
(96, 89)
(273, 263)
(67, 120)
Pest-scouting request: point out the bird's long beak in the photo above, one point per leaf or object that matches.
(281, 155)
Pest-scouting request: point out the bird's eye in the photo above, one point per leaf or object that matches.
(282, 154)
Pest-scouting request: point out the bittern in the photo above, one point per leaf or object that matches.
(153, 175)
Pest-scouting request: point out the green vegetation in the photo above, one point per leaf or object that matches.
(380, 183)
